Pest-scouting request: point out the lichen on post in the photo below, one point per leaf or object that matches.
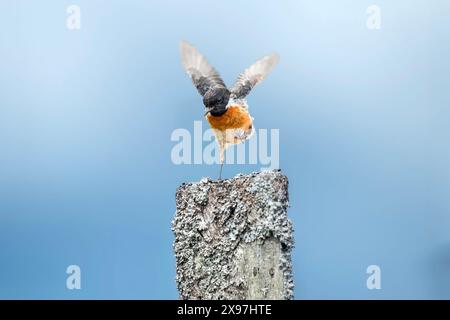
(233, 239)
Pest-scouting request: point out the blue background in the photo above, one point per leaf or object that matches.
(86, 116)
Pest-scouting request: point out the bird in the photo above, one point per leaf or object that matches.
(226, 108)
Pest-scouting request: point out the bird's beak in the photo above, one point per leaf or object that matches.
(207, 111)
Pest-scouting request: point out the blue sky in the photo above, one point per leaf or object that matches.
(86, 117)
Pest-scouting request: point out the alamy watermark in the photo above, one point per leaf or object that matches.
(73, 21)
(73, 281)
(201, 148)
(374, 20)
(374, 279)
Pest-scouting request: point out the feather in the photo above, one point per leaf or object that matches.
(203, 75)
(253, 75)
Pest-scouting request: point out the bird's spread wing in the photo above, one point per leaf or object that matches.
(253, 75)
(203, 75)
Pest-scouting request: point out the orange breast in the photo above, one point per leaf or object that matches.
(235, 117)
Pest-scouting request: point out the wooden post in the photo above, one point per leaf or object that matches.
(233, 239)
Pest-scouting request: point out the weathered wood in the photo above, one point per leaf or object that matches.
(233, 239)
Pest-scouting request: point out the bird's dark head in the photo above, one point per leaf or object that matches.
(216, 101)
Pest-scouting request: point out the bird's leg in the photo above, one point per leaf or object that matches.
(220, 172)
(222, 159)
